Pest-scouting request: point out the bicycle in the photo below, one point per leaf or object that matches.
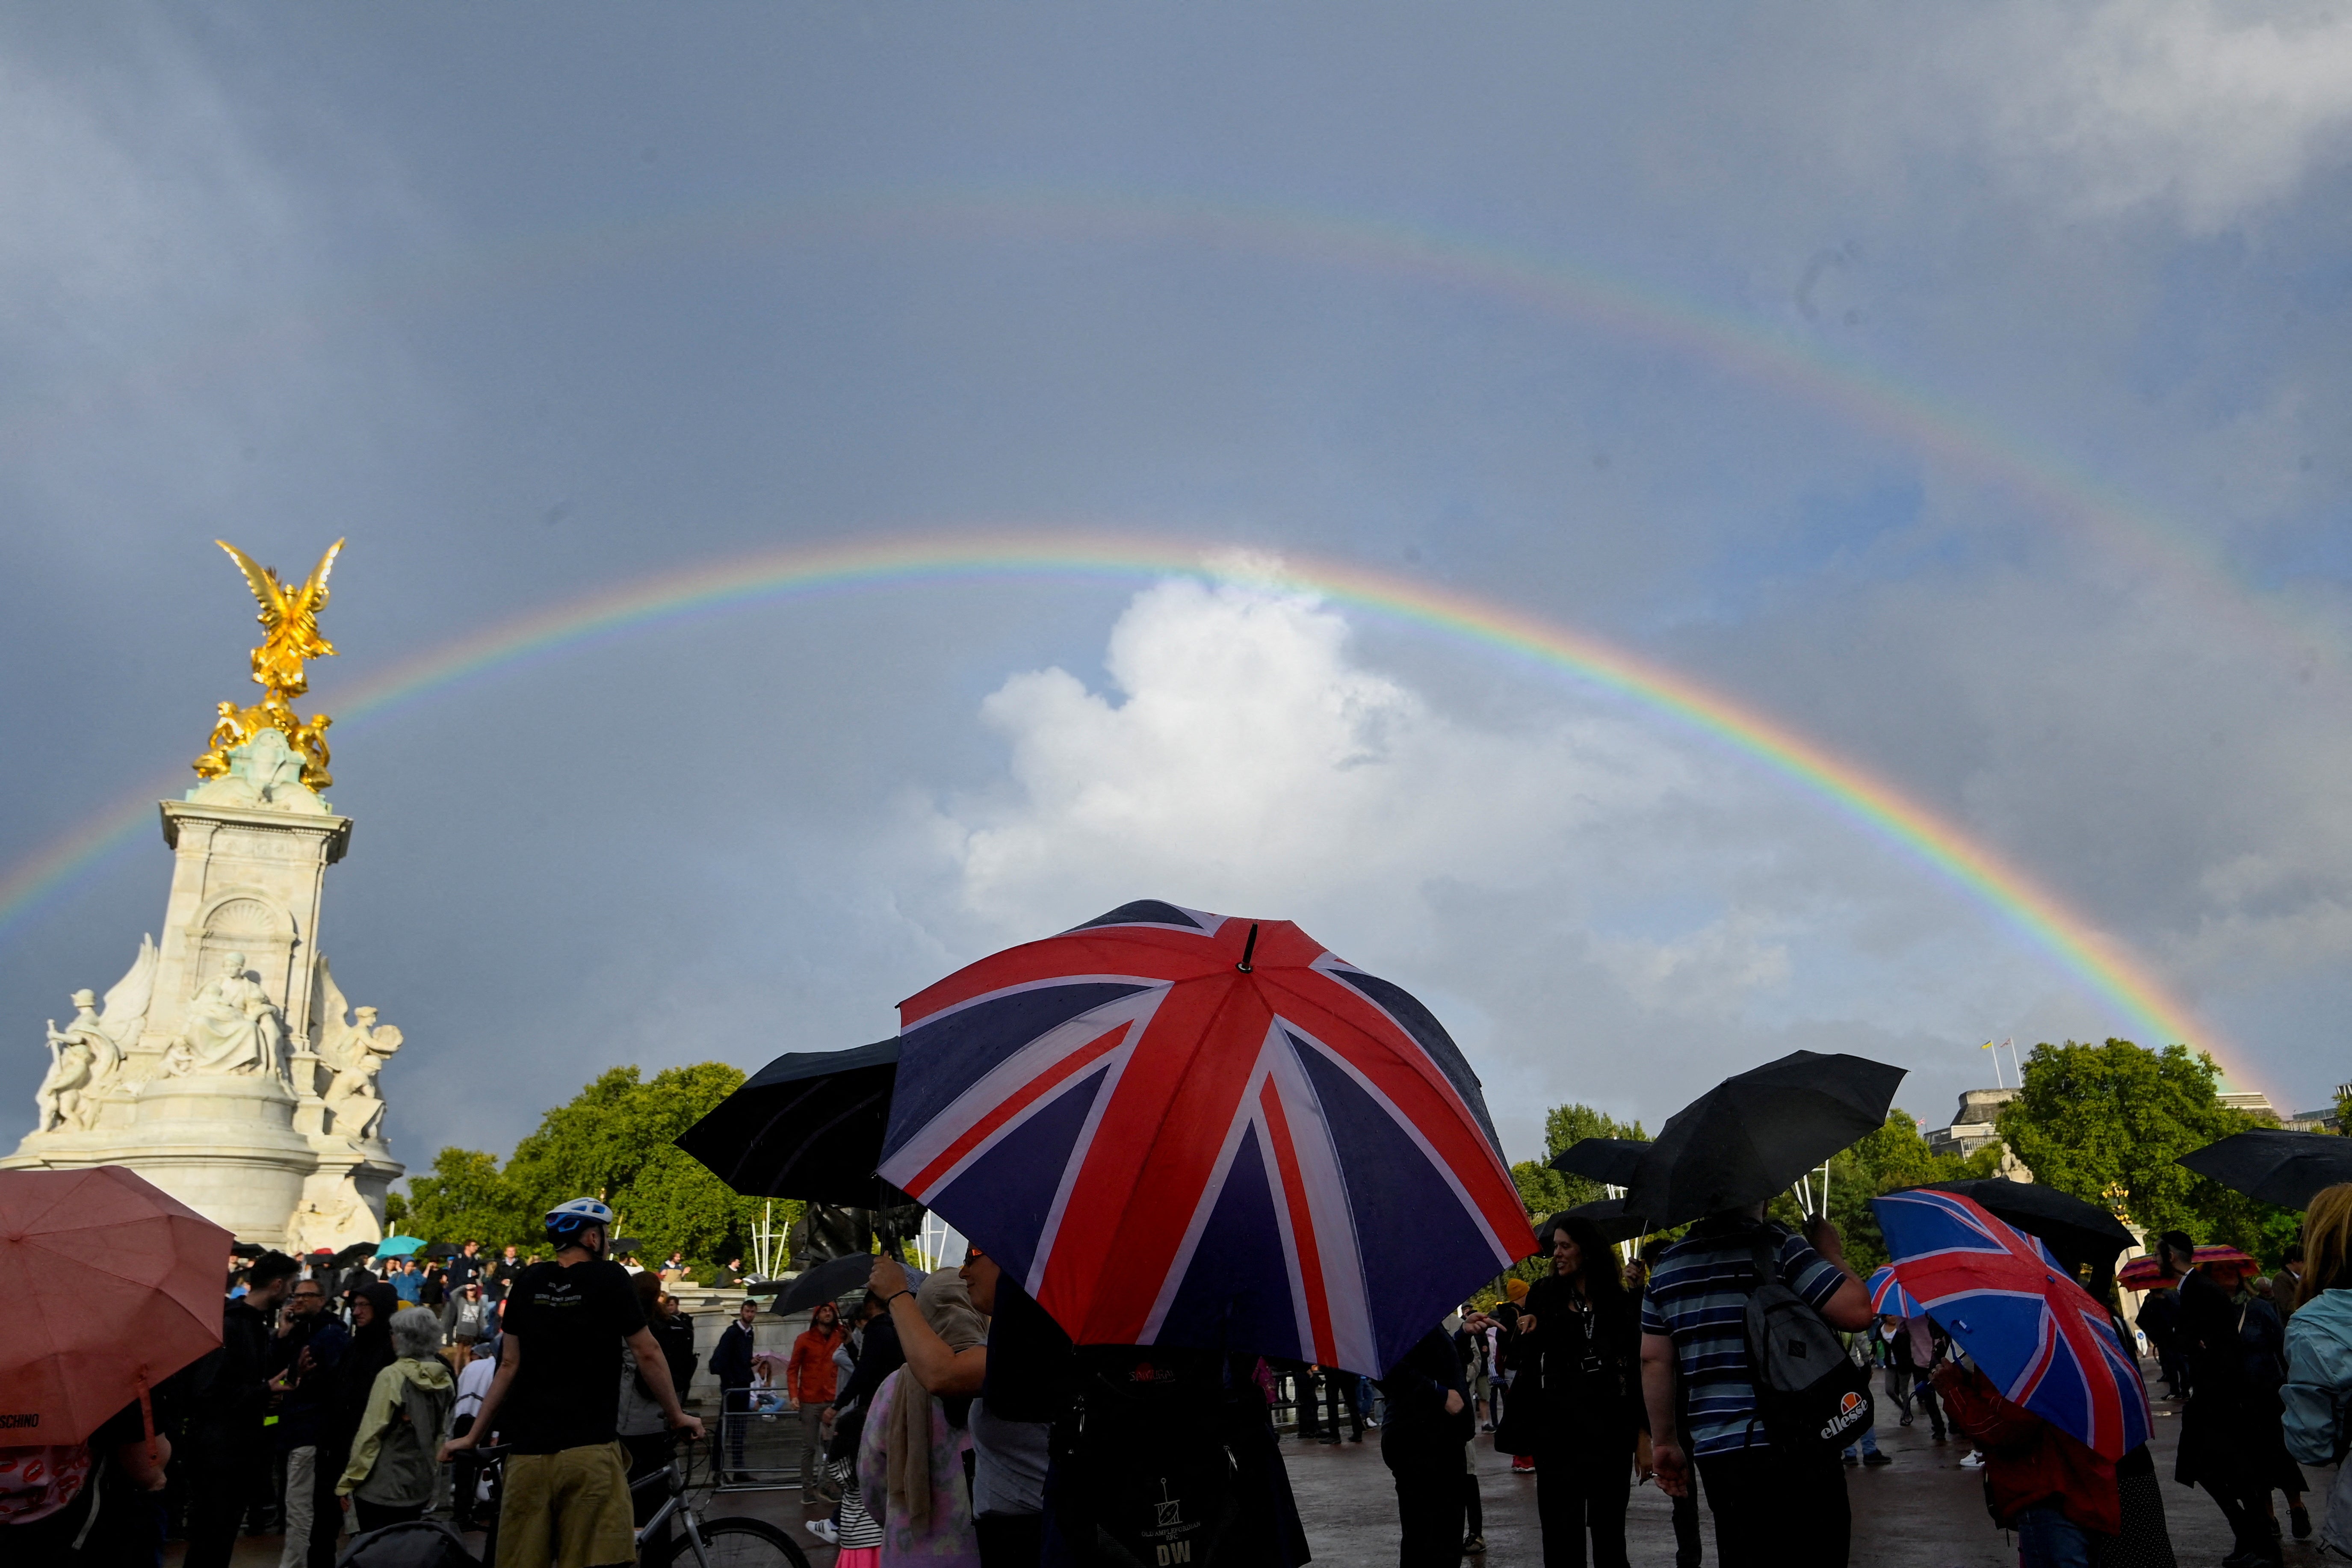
(733, 1541)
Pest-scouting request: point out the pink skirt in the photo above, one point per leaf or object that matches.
(858, 1557)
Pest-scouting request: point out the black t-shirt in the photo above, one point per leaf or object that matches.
(571, 1322)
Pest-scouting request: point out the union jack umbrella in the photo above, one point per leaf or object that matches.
(2039, 1336)
(1887, 1297)
(1184, 1128)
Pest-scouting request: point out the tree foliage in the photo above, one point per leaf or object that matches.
(1544, 1192)
(467, 1198)
(1566, 1126)
(2109, 1122)
(1894, 1155)
(613, 1140)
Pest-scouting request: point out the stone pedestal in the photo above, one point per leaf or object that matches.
(209, 1066)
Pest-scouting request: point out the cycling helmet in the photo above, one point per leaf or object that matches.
(565, 1221)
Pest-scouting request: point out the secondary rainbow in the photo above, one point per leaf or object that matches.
(1635, 310)
(2100, 962)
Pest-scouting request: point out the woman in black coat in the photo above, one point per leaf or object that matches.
(1422, 1442)
(2230, 1442)
(1579, 1347)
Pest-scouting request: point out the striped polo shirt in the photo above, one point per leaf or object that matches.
(1698, 1294)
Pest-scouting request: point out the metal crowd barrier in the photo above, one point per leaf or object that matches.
(759, 1444)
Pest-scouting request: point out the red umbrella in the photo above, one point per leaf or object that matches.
(2148, 1273)
(112, 1286)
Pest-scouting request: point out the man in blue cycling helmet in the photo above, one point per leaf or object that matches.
(556, 1401)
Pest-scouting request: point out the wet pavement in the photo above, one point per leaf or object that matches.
(1921, 1511)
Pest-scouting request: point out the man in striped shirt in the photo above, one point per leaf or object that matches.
(1770, 1506)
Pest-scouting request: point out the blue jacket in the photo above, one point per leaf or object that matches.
(2319, 1378)
(732, 1361)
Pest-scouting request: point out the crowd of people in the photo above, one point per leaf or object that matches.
(948, 1420)
(346, 1395)
(1596, 1375)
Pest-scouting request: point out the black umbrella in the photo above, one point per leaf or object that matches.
(1608, 1217)
(1609, 1161)
(2275, 1165)
(354, 1253)
(1756, 1133)
(2076, 1232)
(808, 1125)
(830, 1282)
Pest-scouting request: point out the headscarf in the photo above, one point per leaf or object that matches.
(370, 1352)
(946, 1307)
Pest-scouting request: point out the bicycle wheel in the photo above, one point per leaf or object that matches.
(736, 1544)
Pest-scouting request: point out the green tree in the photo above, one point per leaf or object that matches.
(467, 1198)
(1566, 1126)
(613, 1140)
(2109, 1122)
(1893, 1156)
(1543, 1191)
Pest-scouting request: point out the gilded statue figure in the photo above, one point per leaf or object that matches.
(289, 634)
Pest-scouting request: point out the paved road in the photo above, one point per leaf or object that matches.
(1922, 1511)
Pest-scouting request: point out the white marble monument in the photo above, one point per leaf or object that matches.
(227, 1067)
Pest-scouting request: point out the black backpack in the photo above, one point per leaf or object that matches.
(1149, 1479)
(416, 1543)
(1810, 1393)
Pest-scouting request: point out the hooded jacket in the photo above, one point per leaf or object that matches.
(369, 1354)
(395, 1454)
(2319, 1378)
(2028, 1462)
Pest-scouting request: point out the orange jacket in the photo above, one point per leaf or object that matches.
(809, 1377)
(2028, 1460)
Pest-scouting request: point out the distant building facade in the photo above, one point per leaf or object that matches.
(2256, 1104)
(2321, 1121)
(1972, 1124)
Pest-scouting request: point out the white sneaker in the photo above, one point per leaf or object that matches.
(824, 1530)
(1975, 1462)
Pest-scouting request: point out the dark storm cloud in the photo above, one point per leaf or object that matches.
(529, 303)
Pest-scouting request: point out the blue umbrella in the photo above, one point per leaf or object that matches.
(398, 1246)
(2039, 1336)
(1888, 1299)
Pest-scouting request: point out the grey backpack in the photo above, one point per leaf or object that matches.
(1810, 1395)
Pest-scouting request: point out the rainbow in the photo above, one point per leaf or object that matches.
(2094, 959)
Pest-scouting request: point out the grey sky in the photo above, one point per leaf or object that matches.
(532, 303)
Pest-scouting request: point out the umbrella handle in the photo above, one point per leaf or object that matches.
(147, 1418)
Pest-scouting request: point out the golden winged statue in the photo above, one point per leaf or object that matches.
(289, 634)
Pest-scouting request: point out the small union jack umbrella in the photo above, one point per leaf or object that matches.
(1183, 1129)
(1887, 1297)
(2038, 1335)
